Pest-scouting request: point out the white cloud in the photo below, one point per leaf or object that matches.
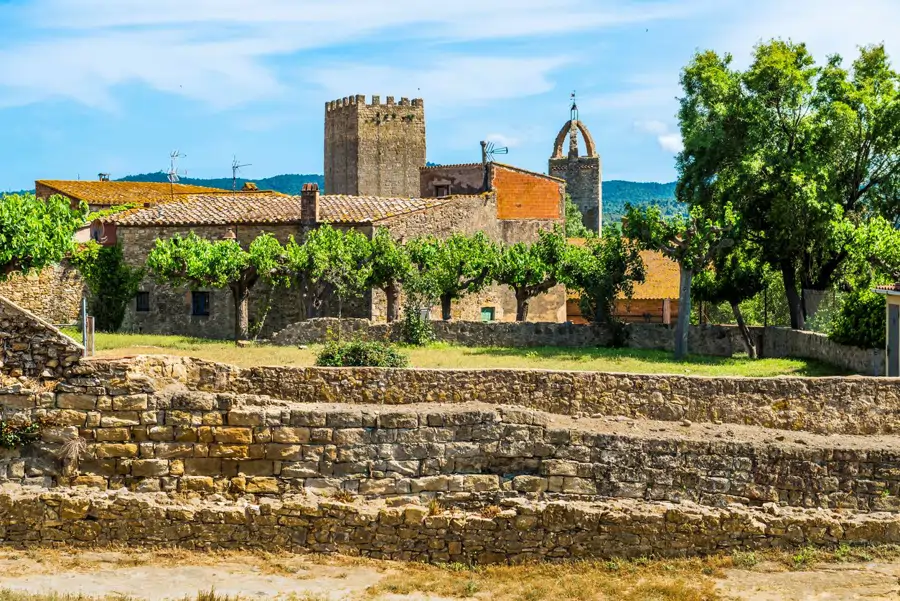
(219, 51)
(502, 140)
(826, 26)
(667, 139)
(651, 127)
(671, 142)
(448, 81)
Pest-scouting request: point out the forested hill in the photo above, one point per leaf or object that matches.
(615, 192)
(286, 184)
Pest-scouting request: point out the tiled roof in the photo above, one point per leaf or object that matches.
(479, 165)
(889, 287)
(368, 209)
(270, 207)
(95, 192)
(662, 276)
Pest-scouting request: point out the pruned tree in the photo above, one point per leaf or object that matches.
(391, 266)
(531, 269)
(331, 260)
(35, 233)
(602, 270)
(192, 260)
(691, 242)
(454, 267)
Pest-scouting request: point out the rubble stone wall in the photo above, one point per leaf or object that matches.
(518, 532)
(705, 340)
(833, 405)
(32, 347)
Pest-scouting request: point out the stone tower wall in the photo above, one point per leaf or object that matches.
(374, 149)
(583, 177)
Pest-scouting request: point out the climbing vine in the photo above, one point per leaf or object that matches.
(111, 281)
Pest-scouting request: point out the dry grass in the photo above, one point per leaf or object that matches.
(680, 580)
(641, 579)
(456, 357)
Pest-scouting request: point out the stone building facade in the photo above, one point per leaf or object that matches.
(583, 174)
(374, 149)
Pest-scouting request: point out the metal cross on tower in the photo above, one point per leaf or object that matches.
(573, 114)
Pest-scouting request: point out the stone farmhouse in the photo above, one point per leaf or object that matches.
(375, 177)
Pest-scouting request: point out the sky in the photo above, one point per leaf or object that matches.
(114, 86)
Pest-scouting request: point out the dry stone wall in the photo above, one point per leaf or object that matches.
(518, 531)
(191, 441)
(838, 405)
(53, 294)
(705, 340)
(32, 347)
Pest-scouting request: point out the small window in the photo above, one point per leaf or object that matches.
(487, 314)
(440, 191)
(143, 301)
(200, 303)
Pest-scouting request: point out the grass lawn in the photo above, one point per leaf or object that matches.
(442, 355)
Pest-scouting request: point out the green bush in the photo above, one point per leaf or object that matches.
(415, 329)
(111, 281)
(360, 354)
(860, 320)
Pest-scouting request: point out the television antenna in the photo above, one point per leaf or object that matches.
(489, 150)
(235, 167)
(172, 173)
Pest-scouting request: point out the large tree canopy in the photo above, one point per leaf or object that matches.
(35, 233)
(804, 153)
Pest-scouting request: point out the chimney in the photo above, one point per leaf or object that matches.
(250, 187)
(309, 204)
(104, 177)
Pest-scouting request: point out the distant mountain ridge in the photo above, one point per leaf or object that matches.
(616, 193)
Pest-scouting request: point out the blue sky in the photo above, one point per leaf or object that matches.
(90, 86)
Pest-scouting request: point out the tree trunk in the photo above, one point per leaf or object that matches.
(241, 295)
(446, 304)
(684, 314)
(392, 305)
(795, 304)
(745, 331)
(521, 306)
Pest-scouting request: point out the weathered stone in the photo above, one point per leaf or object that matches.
(232, 435)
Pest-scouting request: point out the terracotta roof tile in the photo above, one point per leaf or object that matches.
(95, 192)
(270, 207)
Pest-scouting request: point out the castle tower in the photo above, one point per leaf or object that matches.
(374, 149)
(583, 174)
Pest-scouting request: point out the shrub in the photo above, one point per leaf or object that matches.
(14, 436)
(360, 354)
(111, 281)
(860, 321)
(415, 329)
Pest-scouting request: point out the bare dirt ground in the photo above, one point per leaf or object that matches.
(161, 575)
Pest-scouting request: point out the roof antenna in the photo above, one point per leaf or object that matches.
(235, 167)
(173, 171)
(488, 150)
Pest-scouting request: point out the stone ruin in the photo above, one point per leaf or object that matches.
(465, 466)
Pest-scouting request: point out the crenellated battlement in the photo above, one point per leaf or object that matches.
(360, 100)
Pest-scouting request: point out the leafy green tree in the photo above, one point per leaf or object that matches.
(737, 274)
(691, 242)
(110, 280)
(192, 260)
(804, 153)
(574, 224)
(35, 233)
(449, 269)
(604, 268)
(391, 266)
(330, 259)
(861, 320)
(531, 269)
